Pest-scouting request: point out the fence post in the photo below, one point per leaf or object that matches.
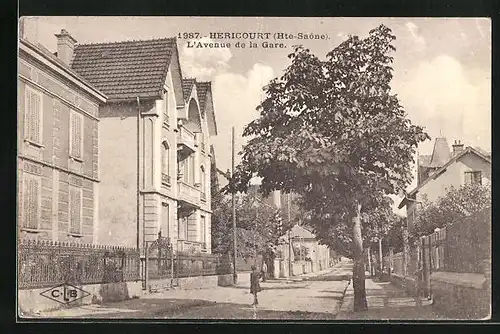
(172, 265)
(146, 269)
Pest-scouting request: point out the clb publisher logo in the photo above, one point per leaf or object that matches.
(65, 293)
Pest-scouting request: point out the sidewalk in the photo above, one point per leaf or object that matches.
(275, 295)
(386, 302)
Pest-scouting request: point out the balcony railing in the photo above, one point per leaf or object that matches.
(186, 137)
(165, 179)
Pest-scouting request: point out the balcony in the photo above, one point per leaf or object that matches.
(188, 195)
(165, 179)
(185, 141)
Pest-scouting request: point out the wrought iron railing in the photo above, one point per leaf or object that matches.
(46, 263)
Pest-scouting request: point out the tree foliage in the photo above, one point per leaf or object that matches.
(332, 131)
(457, 204)
(258, 224)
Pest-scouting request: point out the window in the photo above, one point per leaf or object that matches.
(75, 210)
(33, 116)
(473, 177)
(188, 168)
(191, 167)
(165, 161)
(203, 232)
(31, 201)
(76, 135)
(183, 228)
(202, 181)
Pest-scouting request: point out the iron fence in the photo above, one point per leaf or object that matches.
(45, 263)
(461, 246)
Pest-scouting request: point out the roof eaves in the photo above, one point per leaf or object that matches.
(41, 50)
(438, 172)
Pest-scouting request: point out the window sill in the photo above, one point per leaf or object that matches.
(32, 143)
(76, 159)
(30, 230)
(75, 235)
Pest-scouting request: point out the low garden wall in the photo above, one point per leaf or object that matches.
(31, 301)
(461, 295)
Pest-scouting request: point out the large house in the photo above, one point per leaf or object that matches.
(443, 169)
(57, 145)
(438, 172)
(155, 145)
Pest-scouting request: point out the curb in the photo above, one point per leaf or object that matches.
(346, 305)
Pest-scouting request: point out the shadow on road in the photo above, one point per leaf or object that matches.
(145, 308)
(330, 278)
(224, 311)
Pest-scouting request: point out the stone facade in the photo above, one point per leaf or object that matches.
(145, 146)
(46, 171)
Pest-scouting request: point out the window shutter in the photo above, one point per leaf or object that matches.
(28, 115)
(31, 209)
(75, 208)
(76, 135)
(33, 114)
(35, 119)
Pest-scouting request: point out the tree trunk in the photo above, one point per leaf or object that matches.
(358, 270)
(370, 269)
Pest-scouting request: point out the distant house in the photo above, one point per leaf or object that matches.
(155, 144)
(303, 238)
(57, 146)
(443, 169)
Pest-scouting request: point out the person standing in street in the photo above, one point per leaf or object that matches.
(255, 285)
(264, 271)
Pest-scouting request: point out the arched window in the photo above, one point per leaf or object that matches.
(202, 182)
(165, 163)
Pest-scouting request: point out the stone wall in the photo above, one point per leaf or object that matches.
(461, 295)
(31, 301)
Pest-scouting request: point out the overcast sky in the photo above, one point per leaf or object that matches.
(442, 68)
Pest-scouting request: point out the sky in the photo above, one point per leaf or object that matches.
(442, 66)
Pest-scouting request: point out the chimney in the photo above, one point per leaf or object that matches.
(458, 147)
(65, 46)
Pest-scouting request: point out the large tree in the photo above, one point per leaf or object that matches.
(332, 131)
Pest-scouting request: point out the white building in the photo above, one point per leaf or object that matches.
(155, 132)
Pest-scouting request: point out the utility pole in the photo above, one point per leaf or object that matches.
(235, 276)
(381, 257)
(289, 237)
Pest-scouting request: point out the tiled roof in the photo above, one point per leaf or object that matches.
(202, 88)
(125, 70)
(187, 87)
(301, 232)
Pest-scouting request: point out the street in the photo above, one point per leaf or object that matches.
(303, 298)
